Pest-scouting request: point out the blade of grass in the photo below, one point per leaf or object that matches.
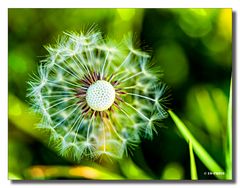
(229, 138)
(193, 167)
(22, 117)
(202, 154)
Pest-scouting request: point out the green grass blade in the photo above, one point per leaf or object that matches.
(22, 117)
(229, 138)
(202, 154)
(193, 167)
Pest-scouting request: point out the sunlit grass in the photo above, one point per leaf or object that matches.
(202, 154)
(193, 167)
(229, 138)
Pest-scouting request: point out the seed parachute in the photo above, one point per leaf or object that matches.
(97, 97)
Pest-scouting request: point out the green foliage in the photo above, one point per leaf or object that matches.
(228, 147)
(192, 163)
(194, 49)
(203, 155)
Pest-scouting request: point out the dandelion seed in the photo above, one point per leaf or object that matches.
(97, 97)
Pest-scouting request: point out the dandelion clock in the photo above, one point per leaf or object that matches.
(97, 96)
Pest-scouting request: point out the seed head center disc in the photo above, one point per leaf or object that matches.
(100, 95)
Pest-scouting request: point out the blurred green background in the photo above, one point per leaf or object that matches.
(193, 47)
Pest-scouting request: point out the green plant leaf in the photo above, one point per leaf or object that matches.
(22, 117)
(202, 154)
(193, 167)
(229, 138)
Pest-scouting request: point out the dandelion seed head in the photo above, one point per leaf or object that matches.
(97, 96)
(100, 95)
